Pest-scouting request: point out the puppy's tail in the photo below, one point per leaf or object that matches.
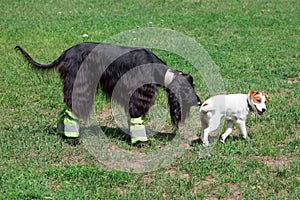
(205, 107)
(34, 63)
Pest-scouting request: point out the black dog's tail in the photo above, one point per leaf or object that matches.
(34, 63)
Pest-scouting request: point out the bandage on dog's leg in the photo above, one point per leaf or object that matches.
(67, 124)
(137, 131)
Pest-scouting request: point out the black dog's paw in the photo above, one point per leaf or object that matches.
(141, 144)
(71, 141)
(74, 141)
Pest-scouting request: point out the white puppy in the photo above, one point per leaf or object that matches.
(233, 107)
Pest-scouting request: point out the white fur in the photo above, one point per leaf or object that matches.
(169, 77)
(233, 107)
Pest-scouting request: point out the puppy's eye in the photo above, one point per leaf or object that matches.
(258, 100)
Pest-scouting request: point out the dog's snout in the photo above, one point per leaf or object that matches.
(198, 101)
(263, 110)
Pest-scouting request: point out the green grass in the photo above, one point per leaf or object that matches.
(255, 44)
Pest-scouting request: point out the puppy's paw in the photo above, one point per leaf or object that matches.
(222, 140)
(248, 139)
(205, 144)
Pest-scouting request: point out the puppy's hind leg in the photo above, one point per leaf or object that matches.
(204, 137)
(227, 132)
(213, 121)
(205, 119)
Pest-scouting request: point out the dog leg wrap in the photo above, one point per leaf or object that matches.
(137, 130)
(67, 124)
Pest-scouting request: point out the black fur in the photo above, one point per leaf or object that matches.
(136, 97)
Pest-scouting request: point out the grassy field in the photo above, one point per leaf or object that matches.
(255, 44)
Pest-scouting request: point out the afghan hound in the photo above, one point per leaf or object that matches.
(137, 72)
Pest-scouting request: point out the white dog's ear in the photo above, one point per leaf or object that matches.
(267, 97)
(252, 93)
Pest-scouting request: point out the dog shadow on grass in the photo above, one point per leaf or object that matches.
(215, 139)
(113, 133)
(117, 135)
(70, 141)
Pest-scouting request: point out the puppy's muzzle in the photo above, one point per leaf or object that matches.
(262, 111)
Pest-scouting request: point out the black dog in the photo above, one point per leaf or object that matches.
(105, 65)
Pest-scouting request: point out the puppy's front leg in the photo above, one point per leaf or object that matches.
(242, 126)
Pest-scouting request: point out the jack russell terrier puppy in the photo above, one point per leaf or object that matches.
(233, 107)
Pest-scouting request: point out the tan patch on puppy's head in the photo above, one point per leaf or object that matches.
(252, 93)
(259, 100)
(256, 96)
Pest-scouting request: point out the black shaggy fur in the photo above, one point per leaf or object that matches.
(136, 97)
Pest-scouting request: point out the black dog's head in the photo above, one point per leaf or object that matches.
(181, 96)
(190, 80)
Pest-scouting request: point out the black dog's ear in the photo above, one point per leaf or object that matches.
(190, 80)
(181, 97)
(188, 77)
(179, 72)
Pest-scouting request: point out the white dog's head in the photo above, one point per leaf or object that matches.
(258, 101)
